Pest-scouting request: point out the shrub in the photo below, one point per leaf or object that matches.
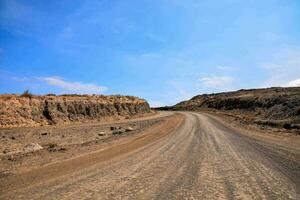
(27, 94)
(50, 94)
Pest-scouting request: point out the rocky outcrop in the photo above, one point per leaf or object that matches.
(278, 107)
(16, 111)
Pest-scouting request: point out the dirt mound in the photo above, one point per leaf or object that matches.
(278, 107)
(16, 110)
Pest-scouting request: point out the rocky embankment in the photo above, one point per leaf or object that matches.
(21, 111)
(275, 107)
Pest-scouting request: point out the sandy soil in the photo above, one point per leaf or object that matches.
(63, 142)
(183, 156)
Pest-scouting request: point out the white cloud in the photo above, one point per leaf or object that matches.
(294, 83)
(77, 87)
(221, 82)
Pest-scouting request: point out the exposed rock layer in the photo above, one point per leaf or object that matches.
(278, 107)
(16, 111)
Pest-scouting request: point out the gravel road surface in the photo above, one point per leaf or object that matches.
(188, 156)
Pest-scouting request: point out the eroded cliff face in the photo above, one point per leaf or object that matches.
(277, 107)
(17, 111)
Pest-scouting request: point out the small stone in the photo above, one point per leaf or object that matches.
(32, 147)
(56, 148)
(13, 138)
(102, 133)
(115, 128)
(62, 149)
(44, 133)
(129, 128)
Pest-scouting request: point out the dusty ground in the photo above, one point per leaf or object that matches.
(182, 156)
(62, 142)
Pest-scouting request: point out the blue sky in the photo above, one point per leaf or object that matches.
(162, 50)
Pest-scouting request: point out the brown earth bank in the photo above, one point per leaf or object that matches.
(30, 110)
(270, 107)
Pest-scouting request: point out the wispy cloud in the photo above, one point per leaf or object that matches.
(294, 83)
(77, 87)
(283, 69)
(217, 82)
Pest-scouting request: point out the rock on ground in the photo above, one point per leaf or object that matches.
(32, 147)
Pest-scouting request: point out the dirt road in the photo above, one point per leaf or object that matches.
(189, 156)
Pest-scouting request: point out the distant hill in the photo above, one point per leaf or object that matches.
(278, 107)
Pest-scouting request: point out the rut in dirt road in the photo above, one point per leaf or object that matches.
(201, 159)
